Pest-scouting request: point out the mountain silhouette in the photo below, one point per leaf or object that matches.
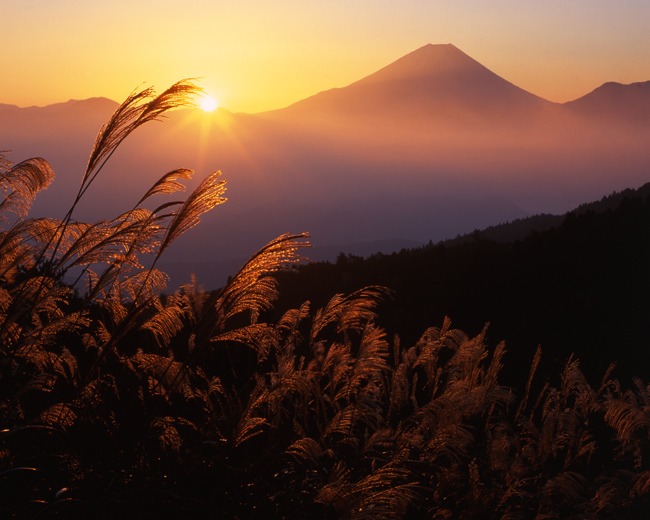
(433, 83)
(57, 119)
(624, 103)
(430, 146)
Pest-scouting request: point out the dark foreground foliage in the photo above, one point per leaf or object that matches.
(120, 403)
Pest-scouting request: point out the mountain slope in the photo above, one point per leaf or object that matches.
(623, 103)
(434, 82)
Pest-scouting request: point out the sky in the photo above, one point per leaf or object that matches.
(256, 55)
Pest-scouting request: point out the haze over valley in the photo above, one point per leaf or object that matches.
(428, 147)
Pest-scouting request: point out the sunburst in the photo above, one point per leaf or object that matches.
(208, 104)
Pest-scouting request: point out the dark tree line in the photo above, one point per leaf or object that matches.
(579, 288)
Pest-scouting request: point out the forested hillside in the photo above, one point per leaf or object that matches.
(579, 288)
(521, 228)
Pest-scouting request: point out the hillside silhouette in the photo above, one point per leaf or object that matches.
(521, 228)
(576, 284)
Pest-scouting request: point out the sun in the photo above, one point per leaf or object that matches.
(208, 104)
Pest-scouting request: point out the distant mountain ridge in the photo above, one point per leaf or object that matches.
(436, 82)
(615, 100)
(88, 103)
(432, 146)
(68, 114)
(440, 73)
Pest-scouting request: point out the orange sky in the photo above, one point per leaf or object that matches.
(255, 55)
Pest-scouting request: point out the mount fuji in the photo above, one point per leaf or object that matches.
(428, 147)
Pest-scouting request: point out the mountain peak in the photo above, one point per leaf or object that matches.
(431, 60)
(438, 48)
(431, 83)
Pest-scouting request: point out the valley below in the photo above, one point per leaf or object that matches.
(429, 147)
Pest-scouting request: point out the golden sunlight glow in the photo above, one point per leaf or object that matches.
(208, 104)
